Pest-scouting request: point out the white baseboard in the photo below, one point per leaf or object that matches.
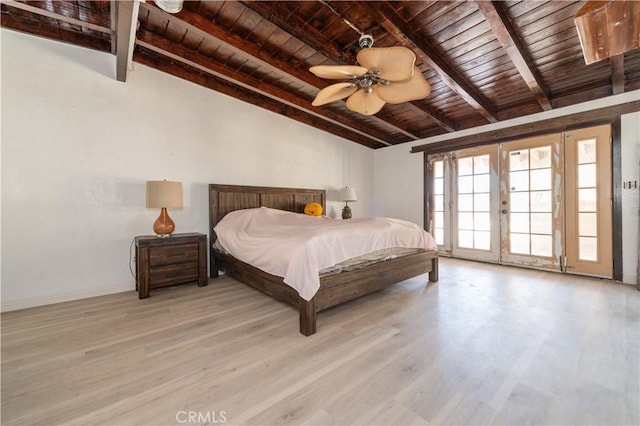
(629, 279)
(30, 302)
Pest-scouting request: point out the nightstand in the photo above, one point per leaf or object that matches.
(161, 262)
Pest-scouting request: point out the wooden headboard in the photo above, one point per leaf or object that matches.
(227, 198)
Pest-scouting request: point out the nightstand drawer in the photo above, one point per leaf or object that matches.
(174, 273)
(172, 254)
(179, 259)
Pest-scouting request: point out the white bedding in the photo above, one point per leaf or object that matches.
(296, 246)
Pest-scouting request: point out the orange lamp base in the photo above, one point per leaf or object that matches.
(164, 226)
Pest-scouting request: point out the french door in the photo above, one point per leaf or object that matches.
(542, 202)
(531, 202)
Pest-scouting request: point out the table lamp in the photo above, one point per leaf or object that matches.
(164, 194)
(347, 194)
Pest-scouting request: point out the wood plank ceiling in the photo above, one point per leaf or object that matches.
(486, 61)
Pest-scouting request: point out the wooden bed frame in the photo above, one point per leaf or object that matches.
(334, 289)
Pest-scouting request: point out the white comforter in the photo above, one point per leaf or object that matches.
(296, 246)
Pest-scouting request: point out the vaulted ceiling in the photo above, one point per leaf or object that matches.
(485, 61)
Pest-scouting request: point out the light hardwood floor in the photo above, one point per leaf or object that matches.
(485, 345)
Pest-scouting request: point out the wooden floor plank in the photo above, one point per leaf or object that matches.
(485, 345)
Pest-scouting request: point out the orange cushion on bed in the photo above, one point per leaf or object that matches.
(313, 209)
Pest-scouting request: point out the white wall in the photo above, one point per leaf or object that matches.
(630, 209)
(399, 175)
(398, 182)
(78, 146)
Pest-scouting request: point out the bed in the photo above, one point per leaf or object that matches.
(335, 288)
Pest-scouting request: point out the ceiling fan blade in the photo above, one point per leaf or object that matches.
(389, 63)
(412, 89)
(338, 72)
(333, 93)
(365, 103)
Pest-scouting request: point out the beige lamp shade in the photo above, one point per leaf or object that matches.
(348, 194)
(163, 193)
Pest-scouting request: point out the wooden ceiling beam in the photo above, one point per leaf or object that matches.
(31, 26)
(552, 125)
(319, 42)
(510, 41)
(324, 45)
(113, 11)
(160, 45)
(53, 15)
(617, 74)
(293, 25)
(126, 23)
(206, 79)
(255, 53)
(394, 24)
(437, 118)
(184, 71)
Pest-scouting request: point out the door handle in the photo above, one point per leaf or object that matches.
(503, 211)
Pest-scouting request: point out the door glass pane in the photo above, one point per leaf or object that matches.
(586, 175)
(465, 202)
(519, 222)
(439, 203)
(465, 184)
(482, 240)
(439, 217)
(438, 171)
(519, 243)
(587, 201)
(481, 183)
(541, 223)
(438, 186)
(587, 151)
(481, 222)
(465, 239)
(541, 157)
(519, 181)
(541, 245)
(465, 220)
(481, 202)
(541, 201)
(481, 164)
(465, 166)
(519, 202)
(519, 160)
(588, 224)
(540, 179)
(588, 247)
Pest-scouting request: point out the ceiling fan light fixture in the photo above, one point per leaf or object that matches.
(170, 6)
(365, 41)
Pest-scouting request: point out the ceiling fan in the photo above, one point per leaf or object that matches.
(384, 75)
